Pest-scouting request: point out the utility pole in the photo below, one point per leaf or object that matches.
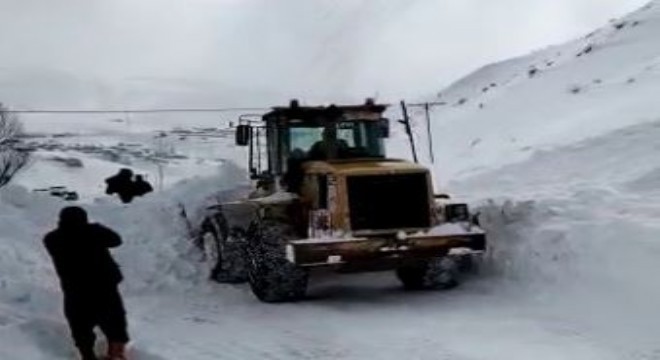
(406, 123)
(429, 132)
(427, 111)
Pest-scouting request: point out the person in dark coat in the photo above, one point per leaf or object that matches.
(329, 147)
(89, 279)
(122, 185)
(141, 186)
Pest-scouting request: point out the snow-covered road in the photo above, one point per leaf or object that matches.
(564, 282)
(363, 317)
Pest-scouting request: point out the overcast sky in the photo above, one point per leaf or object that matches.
(320, 48)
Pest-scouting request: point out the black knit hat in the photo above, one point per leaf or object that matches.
(72, 216)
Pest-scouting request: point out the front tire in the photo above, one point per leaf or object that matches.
(272, 277)
(439, 273)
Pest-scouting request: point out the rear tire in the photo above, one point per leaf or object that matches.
(435, 274)
(272, 277)
(210, 247)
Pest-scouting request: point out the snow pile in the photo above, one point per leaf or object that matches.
(24, 275)
(157, 255)
(157, 252)
(589, 262)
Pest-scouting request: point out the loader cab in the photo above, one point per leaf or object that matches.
(288, 137)
(341, 140)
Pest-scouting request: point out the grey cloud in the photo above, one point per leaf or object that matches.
(314, 49)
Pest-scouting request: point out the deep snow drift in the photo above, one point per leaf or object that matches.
(157, 255)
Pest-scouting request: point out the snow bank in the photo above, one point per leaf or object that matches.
(591, 263)
(157, 255)
(621, 161)
(574, 230)
(157, 252)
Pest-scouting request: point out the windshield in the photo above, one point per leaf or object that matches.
(344, 140)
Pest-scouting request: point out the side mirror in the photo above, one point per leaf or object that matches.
(243, 135)
(384, 128)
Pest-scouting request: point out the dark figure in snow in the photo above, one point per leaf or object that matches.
(122, 185)
(141, 186)
(89, 279)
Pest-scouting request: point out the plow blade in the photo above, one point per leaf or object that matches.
(324, 252)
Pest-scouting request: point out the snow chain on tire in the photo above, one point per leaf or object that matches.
(272, 277)
(434, 274)
(229, 264)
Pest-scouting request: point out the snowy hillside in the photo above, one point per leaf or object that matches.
(505, 112)
(560, 149)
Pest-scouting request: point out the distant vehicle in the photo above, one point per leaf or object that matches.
(60, 192)
(327, 196)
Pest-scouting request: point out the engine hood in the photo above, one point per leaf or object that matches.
(364, 167)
